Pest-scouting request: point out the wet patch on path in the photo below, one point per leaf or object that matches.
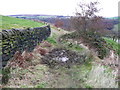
(62, 57)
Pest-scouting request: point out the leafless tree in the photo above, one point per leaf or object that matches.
(86, 19)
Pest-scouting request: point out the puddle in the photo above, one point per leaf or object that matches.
(62, 56)
(62, 59)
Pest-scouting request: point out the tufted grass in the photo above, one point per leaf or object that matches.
(102, 77)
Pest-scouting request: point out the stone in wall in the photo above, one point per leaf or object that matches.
(21, 39)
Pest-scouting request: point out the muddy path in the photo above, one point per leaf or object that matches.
(89, 74)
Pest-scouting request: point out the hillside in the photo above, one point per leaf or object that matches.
(11, 22)
(91, 72)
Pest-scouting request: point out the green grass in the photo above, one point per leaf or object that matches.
(24, 86)
(41, 85)
(51, 40)
(73, 47)
(0, 71)
(11, 22)
(114, 44)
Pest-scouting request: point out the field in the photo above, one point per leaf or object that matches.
(92, 73)
(11, 22)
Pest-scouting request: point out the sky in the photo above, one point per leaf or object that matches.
(54, 7)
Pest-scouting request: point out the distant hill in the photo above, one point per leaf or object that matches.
(11, 22)
(52, 16)
(38, 16)
(112, 23)
(113, 18)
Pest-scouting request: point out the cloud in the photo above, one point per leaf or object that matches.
(54, 7)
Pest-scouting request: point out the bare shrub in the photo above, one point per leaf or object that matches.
(45, 44)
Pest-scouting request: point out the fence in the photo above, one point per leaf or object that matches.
(20, 40)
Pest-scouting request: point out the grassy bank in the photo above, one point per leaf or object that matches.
(115, 46)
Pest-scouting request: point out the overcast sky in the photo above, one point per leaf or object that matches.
(53, 7)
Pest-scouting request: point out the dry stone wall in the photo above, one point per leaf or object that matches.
(21, 39)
